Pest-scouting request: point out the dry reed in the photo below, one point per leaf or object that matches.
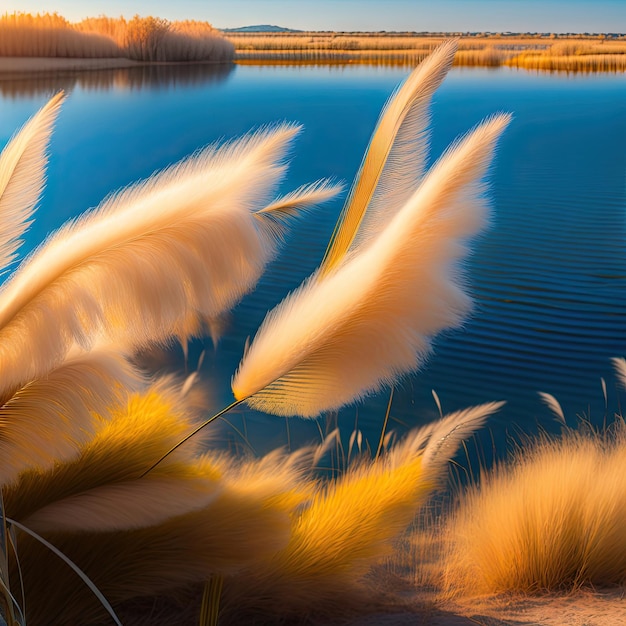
(153, 261)
(140, 38)
(349, 525)
(567, 53)
(189, 519)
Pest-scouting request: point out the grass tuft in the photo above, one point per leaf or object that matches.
(549, 520)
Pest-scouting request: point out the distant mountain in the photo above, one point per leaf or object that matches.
(260, 28)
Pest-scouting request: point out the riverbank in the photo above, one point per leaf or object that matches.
(21, 65)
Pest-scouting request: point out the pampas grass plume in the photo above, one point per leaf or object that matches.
(247, 522)
(99, 488)
(152, 261)
(45, 421)
(349, 525)
(346, 334)
(22, 175)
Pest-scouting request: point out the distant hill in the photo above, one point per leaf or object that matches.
(260, 28)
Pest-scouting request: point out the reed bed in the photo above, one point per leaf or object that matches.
(573, 63)
(564, 53)
(25, 35)
(146, 39)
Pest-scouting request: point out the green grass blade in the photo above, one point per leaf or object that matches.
(8, 601)
(210, 607)
(70, 563)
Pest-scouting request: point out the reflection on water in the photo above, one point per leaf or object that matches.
(167, 76)
(549, 276)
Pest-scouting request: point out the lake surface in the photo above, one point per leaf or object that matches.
(549, 277)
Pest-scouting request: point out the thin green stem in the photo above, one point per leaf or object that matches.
(191, 434)
(73, 565)
(382, 434)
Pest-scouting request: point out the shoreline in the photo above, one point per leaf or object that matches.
(20, 65)
(13, 66)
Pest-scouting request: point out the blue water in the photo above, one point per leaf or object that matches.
(549, 277)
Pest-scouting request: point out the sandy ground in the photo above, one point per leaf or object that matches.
(584, 608)
(19, 65)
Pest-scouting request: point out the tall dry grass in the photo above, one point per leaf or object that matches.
(140, 38)
(568, 53)
(50, 35)
(122, 271)
(551, 519)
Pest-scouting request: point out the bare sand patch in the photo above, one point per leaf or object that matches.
(583, 608)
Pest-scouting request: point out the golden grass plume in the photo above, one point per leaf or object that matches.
(152, 261)
(45, 421)
(22, 175)
(349, 525)
(395, 160)
(193, 517)
(346, 334)
(98, 489)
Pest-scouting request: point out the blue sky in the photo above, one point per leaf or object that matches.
(431, 15)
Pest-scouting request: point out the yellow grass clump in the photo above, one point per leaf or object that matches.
(349, 525)
(550, 519)
(140, 38)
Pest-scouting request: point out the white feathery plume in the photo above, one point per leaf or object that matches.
(554, 405)
(395, 160)
(22, 177)
(345, 334)
(152, 261)
(440, 440)
(620, 369)
(46, 421)
(304, 197)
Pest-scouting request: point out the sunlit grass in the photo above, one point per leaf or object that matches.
(140, 38)
(567, 53)
(150, 520)
(550, 519)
